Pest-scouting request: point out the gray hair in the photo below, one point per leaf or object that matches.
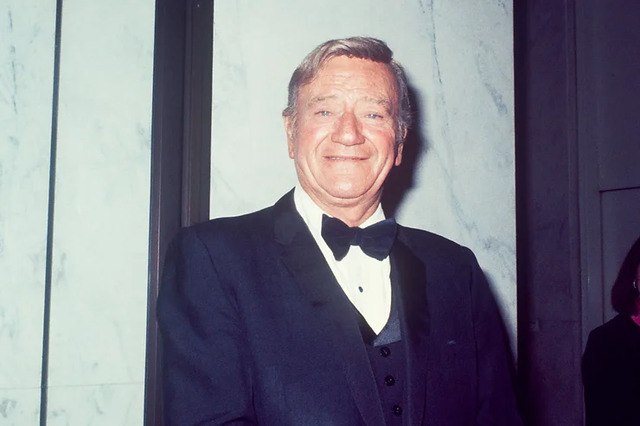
(353, 47)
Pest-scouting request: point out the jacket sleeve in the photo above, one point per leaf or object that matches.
(496, 396)
(205, 369)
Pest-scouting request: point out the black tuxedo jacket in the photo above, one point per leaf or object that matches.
(256, 330)
(611, 374)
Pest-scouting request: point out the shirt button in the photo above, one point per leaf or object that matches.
(397, 410)
(385, 351)
(389, 380)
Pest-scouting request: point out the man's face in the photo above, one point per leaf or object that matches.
(343, 138)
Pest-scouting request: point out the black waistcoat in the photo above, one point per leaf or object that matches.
(388, 362)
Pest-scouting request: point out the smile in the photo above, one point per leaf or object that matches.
(344, 158)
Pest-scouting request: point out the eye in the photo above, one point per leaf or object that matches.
(375, 115)
(323, 113)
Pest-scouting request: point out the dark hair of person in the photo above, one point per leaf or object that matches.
(624, 292)
(353, 47)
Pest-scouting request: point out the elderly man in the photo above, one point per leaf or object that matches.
(318, 310)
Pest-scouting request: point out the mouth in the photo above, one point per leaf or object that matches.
(344, 158)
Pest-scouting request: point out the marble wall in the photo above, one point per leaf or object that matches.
(458, 57)
(26, 78)
(100, 222)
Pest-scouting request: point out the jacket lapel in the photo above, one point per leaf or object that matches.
(408, 278)
(302, 257)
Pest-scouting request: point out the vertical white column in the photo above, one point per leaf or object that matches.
(99, 286)
(26, 82)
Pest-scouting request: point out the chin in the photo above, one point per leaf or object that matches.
(346, 192)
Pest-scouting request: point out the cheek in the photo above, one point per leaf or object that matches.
(383, 139)
(311, 137)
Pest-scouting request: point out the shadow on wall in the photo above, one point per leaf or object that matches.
(402, 178)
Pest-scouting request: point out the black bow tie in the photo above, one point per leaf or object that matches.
(375, 240)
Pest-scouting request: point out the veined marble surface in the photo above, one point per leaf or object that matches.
(101, 226)
(26, 84)
(101, 217)
(98, 405)
(19, 406)
(458, 57)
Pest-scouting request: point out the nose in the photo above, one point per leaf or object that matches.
(347, 130)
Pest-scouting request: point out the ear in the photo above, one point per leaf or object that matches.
(399, 149)
(288, 128)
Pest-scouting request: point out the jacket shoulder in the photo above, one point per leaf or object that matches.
(250, 227)
(615, 331)
(229, 233)
(237, 226)
(430, 246)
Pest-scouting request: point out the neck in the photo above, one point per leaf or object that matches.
(354, 216)
(353, 213)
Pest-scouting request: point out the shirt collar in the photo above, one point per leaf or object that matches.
(312, 214)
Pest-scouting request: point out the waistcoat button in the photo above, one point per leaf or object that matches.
(397, 410)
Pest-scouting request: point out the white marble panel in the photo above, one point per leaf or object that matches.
(101, 405)
(19, 407)
(458, 56)
(26, 84)
(101, 229)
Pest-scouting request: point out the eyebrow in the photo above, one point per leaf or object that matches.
(319, 99)
(385, 102)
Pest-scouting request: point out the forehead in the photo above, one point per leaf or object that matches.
(353, 76)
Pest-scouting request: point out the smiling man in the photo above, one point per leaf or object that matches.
(319, 310)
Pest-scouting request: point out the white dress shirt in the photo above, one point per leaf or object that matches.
(363, 279)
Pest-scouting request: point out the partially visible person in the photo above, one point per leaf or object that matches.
(611, 360)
